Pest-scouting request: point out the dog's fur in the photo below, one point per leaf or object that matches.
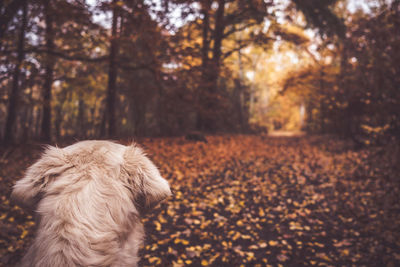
(88, 199)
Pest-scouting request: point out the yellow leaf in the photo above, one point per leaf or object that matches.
(261, 212)
(250, 255)
(236, 236)
(24, 233)
(179, 175)
(345, 252)
(262, 245)
(272, 243)
(155, 260)
(162, 219)
(158, 226)
(182, 241)
(206, 246)
(178, 194)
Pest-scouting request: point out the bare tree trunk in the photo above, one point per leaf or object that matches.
(240, 96)
(57, 124)
(218, 36)
(211, 79)
(102, 128)
(206, 6)
(82, 122)
(200, 97)
(27, 115)
(255, 60)
(216, 64)
(49, 69)
(14, 97)
(112, 75)
(38, 119)
(321, 102)
(92, 119)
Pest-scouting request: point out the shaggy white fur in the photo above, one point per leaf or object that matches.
(88, 199)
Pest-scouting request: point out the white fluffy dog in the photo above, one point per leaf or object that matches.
(88, 199)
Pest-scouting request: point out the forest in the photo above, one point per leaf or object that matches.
(109, 69)
(277, 123)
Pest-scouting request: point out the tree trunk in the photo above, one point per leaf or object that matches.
(57, 124)
(322, 105)
(241, 103)
(209, 105)
(112, 75)
(200, 97)
(206, 5)
(218, 36)
(345, 117)
(14, 97)
(81, 123)
(49, 69)
(216, 63)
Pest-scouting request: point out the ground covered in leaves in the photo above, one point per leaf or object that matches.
(252, 201)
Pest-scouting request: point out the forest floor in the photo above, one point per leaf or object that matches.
(252, 201)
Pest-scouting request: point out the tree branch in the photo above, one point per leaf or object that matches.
(233, 29)
(229, 53)
(61, 54)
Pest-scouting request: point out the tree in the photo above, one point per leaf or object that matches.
(49, 69)
(59, 29)
(15, 90)
(112, 71)
(229, 17)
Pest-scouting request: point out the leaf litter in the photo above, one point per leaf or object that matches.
(252, 201)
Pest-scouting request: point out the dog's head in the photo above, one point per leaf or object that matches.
(57, 171)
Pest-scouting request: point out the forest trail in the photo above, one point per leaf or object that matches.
(286, 133)
(253, 201)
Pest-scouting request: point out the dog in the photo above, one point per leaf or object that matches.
(88, 200)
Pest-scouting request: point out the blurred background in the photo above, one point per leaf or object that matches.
(114, 69)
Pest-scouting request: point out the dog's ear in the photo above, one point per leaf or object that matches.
(147, 185)
(27, 191)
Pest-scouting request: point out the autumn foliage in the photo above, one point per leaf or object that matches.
(252, 201)
(219, 75)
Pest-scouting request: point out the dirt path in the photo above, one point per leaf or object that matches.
(256, 201)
